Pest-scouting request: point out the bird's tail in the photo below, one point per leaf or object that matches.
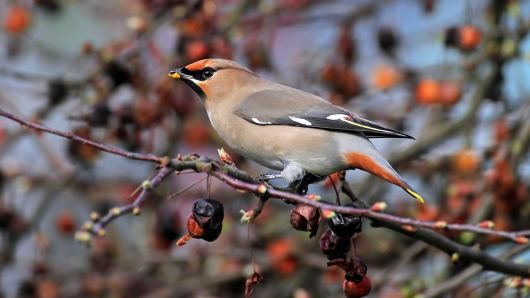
(375, 164)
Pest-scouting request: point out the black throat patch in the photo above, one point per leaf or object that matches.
(195, 88)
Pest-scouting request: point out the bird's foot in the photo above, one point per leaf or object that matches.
(265, 178)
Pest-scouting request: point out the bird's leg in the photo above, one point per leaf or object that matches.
(301, 186)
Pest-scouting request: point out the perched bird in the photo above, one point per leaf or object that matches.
(300, 134)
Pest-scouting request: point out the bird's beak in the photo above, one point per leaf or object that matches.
(183, 74)
(175, 74)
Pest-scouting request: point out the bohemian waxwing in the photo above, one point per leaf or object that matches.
(286, 129)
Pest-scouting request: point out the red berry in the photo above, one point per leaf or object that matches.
(450, 92)
(65, 222)
(17, 19)
(469, 37)
(197, 50)
(357, 290)
(427, 91)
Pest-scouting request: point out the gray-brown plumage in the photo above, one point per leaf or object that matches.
(284, 128)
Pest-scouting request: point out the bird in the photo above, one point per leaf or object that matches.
(301, 135)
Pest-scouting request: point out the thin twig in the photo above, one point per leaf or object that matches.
(73, 137)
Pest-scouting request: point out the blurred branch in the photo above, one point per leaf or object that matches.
(73, 137)
(475, 255)
(23, 75)
(458, 279)
(422, 230)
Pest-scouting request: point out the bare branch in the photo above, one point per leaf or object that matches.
(421, 230)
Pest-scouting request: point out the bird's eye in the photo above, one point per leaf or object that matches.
(207, 72)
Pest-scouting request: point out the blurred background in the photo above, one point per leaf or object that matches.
(452, 73)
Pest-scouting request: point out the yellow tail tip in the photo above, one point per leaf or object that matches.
(415, 195)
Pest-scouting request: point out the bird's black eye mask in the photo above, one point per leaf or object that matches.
(199, 75)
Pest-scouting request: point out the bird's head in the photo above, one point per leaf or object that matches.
(213, 77)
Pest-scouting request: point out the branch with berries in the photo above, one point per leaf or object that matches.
(310, 209)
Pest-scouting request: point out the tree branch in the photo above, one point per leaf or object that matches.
(422, 230)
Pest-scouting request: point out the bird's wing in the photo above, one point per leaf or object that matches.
(296, 108)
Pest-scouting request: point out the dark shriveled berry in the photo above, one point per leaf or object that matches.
(57, 91)
(451, 37)
(354, 268)
(387, 40)
(305, 218)
(209, 216)
(100, 115)
(346, 225)
(118, 73)
(333, 246)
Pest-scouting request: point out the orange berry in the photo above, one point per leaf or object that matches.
(197, 50)
(427, 91)
(286, 266)
(17, 19)
(466, 161)
(279, 249)
(468, 37)
(450, 92)
(385, 77)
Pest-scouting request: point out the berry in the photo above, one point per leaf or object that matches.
(17, 19)
(385, 77)
(197, 50)
(100, 115)
(118, 73)
(209, 216)
(468, 37)
(451, 37)
(354, 268)
(427, 91)
(357, 290)
(333, 246)
(194, 228)
(387, 40)
(57, 91)
(346, 225)
(450, 92)
(466, 161)
(305, 218)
